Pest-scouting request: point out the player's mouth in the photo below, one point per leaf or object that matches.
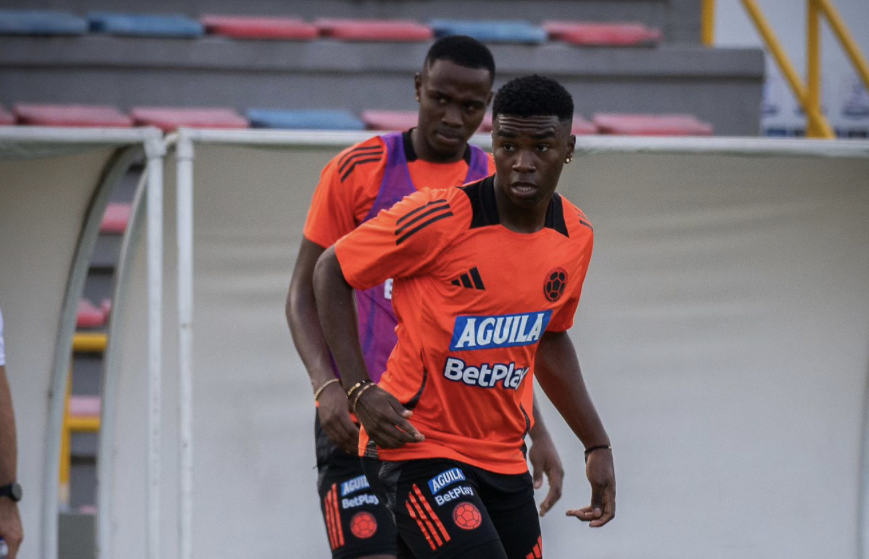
(450, 138)
(522, 189)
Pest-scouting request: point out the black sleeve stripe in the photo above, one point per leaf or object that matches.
(478, 281)
(419, 209)
(355, 163)
(423, 226)
(359, 151)
(586, 224)
(420, 217)
(357, 157)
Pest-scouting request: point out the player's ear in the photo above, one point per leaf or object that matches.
(571, 145)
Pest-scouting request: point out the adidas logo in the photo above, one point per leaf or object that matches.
(470, 280)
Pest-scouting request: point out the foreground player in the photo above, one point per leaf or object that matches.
(455, 477)
(453, 91)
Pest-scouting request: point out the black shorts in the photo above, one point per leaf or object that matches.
(448, 509)
(357, 522)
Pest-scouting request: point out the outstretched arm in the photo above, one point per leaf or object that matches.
(304, 322)
(544, 460)
(557, 370)
(384, 418)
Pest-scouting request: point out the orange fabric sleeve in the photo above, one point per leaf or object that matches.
(403, 240)
(348, 186)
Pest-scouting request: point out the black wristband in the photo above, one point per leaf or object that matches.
(591, 449)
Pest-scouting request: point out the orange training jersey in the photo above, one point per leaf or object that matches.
(473, 300)
(351, 180)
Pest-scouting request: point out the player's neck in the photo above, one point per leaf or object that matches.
(520, 219)
(424, 152)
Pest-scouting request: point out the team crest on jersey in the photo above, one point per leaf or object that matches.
(445, 479)
(353, 485)
(554, 284)
(506, 330)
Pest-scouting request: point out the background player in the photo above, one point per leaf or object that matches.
(453, 90)
(456, 479)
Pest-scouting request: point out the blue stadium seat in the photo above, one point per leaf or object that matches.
(304, 120)
(145, 25)
(33, 22)
(491, 31)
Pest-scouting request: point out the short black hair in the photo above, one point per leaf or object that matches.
(462, 50)
(533, 96)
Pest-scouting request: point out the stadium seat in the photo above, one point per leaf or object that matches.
(602, 34)
(304, 120)
(115, 219)
(84, 406)
(33, 22)
(390, 120)
(71, 115)
(89, 315)
(144, 25)
(170, 118)
(373, 30)
(491, 31)
(240, 27)
(651, 125)
(6, 118)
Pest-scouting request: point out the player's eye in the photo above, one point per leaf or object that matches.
(508, 147)
(542, 147)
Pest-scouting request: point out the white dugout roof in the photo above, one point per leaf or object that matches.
(723, 333)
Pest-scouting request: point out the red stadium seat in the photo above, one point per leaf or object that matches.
(6, 118)
(239, 27)
(651, 125)
(390, 120)
(115, 219)
(71, 115)
(170, 118)
(602, 34)
(89, 315)
(373, 29)
(84, 406)
(581, 126)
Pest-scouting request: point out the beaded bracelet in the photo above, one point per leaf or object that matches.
(359, 395)
(358, 385)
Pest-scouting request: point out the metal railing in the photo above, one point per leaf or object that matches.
(807, 94)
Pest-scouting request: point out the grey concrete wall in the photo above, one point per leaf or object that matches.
(720, 86)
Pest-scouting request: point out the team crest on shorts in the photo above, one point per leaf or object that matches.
(363, 525)
(553, 286)
(467, 516)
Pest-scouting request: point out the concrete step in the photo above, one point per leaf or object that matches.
(720, 86)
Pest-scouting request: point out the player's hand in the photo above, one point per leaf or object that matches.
(544, 460)
(335, 418)
(10, 526)
(602, 477)
(385, 419)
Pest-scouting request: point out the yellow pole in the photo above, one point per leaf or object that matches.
(786, 67)
(813, 65)
(848, 43)
(707, 23)
(65, 448)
